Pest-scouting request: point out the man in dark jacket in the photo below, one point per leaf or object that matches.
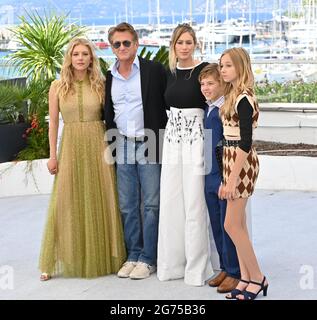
(135, 110)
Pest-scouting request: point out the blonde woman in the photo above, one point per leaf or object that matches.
(183, 245)
(83, 235)
(241, 165)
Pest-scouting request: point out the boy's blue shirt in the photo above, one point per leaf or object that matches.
(213, 136)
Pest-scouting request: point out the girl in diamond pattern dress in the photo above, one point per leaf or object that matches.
(240, 165)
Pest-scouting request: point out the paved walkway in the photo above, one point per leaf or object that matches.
(284, 234)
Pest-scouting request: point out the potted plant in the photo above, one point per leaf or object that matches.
(13, 119)
(42, 40)
(36, 135)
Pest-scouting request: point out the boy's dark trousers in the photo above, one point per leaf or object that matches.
(216, 207)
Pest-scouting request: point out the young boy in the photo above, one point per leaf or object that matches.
(211, 88)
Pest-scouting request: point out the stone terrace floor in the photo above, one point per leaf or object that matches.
(284, 228)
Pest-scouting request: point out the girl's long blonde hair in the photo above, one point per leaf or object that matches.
(97, 80)
(178, 31)
(245, 81)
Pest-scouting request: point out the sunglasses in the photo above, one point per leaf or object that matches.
(126, 43)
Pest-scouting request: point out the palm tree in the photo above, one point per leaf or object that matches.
(161, 55)
(43, 39)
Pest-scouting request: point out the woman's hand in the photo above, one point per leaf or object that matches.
(228, 191)
(52, 166)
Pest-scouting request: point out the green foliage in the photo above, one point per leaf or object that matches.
(37, 92)
(104, 66)
(160, 56)
(43, 40)
(292, 92)
(37, 134)
(13, 107)
(37, 140)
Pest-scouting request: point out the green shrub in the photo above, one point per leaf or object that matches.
(291, 92)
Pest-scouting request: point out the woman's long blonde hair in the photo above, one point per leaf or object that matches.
(178, 31)
(97, 80)
(245, 82)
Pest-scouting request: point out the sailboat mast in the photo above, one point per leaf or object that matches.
(150, 12)
(205, 43)
(227, 24)
(131, 11)
(158, 17)
(126, 11)
(213, 28)
(250, 27)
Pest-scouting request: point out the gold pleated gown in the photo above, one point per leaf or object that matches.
(83, 235)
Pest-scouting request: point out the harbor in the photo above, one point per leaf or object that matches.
(282, 48)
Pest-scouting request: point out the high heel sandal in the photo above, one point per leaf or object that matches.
(45, 276)
(248, 295)
(235, 292)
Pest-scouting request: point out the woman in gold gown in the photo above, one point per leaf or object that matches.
(83, 235)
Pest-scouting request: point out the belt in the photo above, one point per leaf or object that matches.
(230, 143)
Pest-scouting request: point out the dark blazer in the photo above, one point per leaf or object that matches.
(213, 122)
(153, 85)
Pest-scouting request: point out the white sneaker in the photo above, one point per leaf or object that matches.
(126, 269)
(142, 271)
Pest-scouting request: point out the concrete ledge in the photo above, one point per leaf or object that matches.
(276, 173)
(25, 178)
(287, 122)
(288, 107)
(287, 173)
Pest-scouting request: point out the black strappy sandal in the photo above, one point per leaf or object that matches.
(248, 295)
(235, 292)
